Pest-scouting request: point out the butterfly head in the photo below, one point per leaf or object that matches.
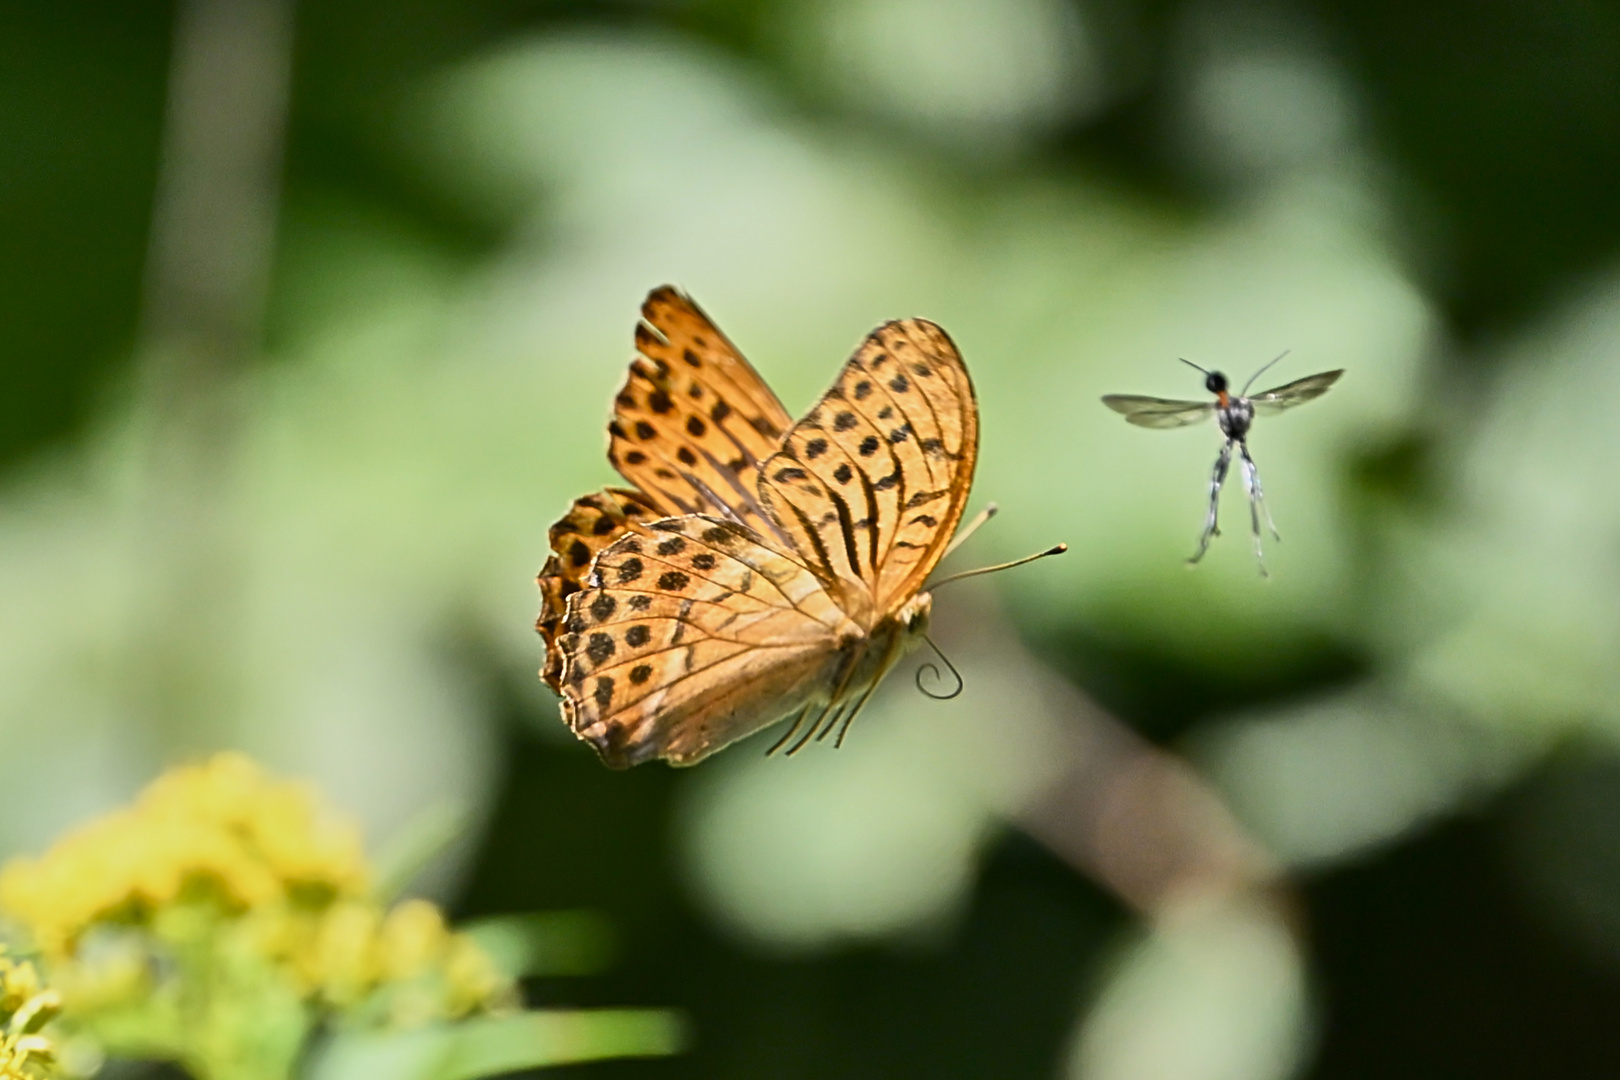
(914, 614)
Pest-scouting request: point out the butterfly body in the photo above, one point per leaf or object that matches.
(1235, 414)
(758, 569)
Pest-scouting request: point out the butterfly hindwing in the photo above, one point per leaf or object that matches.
(690, 636)
(870, 485)
(592, 523)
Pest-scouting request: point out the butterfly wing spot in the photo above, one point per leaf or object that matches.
(673, 581)
(602, 607)
(640, 673)
(673, 546)
(924, 497)
(600, 648)
(604, 692)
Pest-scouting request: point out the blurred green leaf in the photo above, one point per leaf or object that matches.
(505, 1044)
(545, 943)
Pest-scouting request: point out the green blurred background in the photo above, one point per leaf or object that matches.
(1416, 717)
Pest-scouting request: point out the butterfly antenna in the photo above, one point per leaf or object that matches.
(1262, 371)
(957, 675)
(969, 529)
(1190, 364)
(1058, 550)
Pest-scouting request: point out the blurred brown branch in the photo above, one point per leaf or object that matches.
(207, 274)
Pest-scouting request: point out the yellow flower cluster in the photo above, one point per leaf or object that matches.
(220, 857)
(402, 967)
(221, 829)
(26, 1005)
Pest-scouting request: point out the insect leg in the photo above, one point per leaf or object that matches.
(832, 708)
(843, 728)
(1260, 496)
(1216, 479)
(1251, 480)
(797, 720)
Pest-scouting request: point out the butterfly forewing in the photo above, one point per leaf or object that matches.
(693, 419)
(870, 485)
(690, 636)
(1152, 412)
(1295, 393)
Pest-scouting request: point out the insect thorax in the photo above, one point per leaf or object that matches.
(1236, 418)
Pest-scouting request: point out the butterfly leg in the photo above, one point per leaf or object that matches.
(1251, 480)
(850, 719)
(1216, 479)
(830, 708)
(797, 720)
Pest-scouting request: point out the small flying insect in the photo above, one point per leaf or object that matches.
(1236, 413)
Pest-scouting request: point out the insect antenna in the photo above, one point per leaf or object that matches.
(1245, 391)
(930, 666)
(1190, 364)
(969, 529)
(1057, 550)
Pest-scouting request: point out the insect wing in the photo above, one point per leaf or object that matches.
(871, 484)
(1297, 392)
(691, 635)
(1152, 412)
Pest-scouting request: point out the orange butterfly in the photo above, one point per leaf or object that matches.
(757, 569)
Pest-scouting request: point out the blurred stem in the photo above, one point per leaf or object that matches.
(1144, 823)
(207, 274)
